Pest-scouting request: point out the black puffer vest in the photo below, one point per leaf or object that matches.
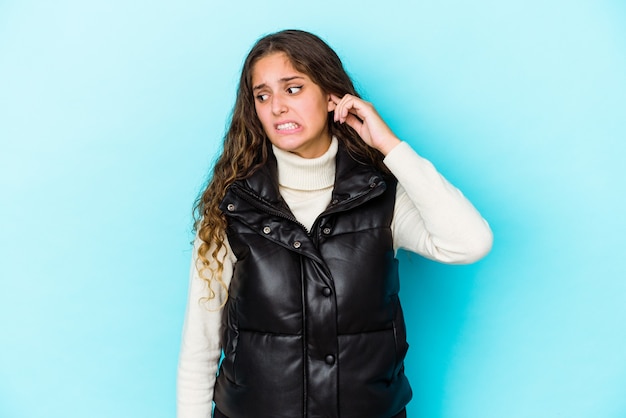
(313, 325)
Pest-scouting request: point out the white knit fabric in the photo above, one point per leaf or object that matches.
(306, 184)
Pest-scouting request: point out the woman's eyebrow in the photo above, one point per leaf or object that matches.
(282, 80)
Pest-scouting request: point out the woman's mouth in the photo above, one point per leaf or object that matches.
(287, 126)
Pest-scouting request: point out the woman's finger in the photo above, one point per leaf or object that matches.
(348, 104)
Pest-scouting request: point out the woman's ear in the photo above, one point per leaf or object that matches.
(331, 104)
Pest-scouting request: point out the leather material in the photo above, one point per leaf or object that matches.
(313, 326)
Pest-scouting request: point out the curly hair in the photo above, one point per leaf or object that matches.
(245, 143)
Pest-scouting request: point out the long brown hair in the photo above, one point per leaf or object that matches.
(245, 142)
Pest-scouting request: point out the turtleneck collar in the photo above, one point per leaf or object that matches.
(299, 173)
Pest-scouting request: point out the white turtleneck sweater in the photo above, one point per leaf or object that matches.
(306, 184)
(431, 218)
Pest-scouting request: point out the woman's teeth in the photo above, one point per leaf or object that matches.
(288, 125)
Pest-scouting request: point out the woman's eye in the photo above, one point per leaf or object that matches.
(294, 90)
(262, 97)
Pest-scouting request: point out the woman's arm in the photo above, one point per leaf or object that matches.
(201, 347)
(431, 216)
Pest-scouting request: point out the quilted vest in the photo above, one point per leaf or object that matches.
(313, 325)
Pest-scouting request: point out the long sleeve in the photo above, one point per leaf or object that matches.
(201, 347)
(432, 217)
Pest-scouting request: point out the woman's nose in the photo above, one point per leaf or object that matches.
(278, 106)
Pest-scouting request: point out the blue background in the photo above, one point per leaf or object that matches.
(110, 116)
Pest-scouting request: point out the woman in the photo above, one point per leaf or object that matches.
(294, 278)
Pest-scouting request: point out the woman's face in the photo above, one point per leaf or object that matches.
(291, 107)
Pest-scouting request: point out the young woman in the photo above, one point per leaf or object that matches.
(294, 278)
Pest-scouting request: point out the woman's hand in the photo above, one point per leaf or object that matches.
(365, 120)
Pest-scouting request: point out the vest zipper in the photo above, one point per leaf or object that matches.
(258, 203)
(304, 343)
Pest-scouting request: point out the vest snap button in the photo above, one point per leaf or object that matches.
(296, 244)
(326, 231)
(330, 359)
(326, 291)
(334, 202)
(230, 207)
(372, 185)
(267, 230)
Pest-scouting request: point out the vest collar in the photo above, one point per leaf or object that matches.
(355, 182)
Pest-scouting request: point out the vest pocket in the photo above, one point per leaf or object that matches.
(228, 367)
(399, 333)
(269, 377)
(230, 341)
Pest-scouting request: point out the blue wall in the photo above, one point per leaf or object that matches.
(110, 114)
